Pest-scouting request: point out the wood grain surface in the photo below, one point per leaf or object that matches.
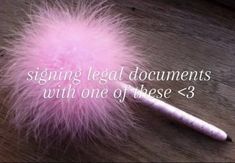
(175, 35)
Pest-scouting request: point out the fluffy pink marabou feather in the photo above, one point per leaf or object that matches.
(72, 39)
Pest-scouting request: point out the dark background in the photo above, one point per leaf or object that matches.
(175, 35)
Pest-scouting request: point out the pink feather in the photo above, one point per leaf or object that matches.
(72, 39)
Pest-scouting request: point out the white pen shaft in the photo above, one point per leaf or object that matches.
(177, 114)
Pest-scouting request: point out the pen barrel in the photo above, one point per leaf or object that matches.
(177, 114)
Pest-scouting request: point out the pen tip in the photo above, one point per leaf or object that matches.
(229, 139)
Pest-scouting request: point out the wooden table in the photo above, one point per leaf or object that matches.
(175, 35)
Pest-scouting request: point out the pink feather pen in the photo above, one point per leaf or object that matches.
(73, 40)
